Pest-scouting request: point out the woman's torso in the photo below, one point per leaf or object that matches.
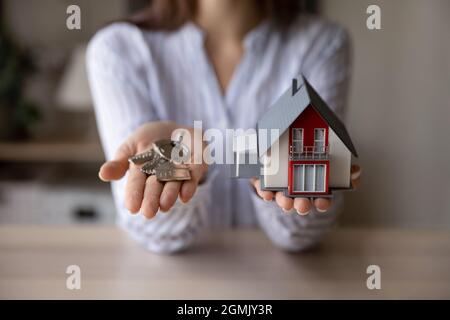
(183, 87)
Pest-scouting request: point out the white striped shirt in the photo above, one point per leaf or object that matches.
(137, 76)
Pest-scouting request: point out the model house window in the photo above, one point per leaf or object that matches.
(297, 141)
(309, 178)
(319, 140)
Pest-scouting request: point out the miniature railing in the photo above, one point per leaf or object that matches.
(309, 153)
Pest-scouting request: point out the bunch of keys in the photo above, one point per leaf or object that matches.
(165, 160)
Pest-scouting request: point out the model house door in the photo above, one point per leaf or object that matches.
(309, 178)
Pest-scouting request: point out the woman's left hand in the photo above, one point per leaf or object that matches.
(303, 205)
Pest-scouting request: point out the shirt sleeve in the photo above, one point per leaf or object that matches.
(122, 101)
(327, 67)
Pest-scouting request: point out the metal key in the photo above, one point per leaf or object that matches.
(164, 148)
(158, 160)
(150, 167)
(172, 172)
(143, 157)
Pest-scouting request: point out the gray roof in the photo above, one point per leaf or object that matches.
(290, 105)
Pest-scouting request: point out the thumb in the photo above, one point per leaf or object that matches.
(116, 168)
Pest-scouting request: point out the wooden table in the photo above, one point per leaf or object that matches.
(226, 264)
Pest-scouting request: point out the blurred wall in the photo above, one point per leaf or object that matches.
(40, 27)
(400, 111)
(43, 23)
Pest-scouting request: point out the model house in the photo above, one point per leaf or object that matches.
(306, 143)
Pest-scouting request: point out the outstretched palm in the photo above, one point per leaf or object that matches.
(146, 194)
(303, 205)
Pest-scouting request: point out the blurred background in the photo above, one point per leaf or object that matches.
(399, 112)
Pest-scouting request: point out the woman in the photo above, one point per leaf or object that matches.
(222, 62)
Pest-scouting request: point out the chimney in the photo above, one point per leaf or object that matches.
(295, 86)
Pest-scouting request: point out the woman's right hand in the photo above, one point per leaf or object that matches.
(303, 205)
(146, 194)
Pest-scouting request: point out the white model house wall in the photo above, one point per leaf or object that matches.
(245, 153)
(340, 162)
(280, 179)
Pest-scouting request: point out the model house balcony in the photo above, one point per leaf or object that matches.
(308, 153)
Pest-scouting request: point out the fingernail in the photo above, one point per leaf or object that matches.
(147, 217)
(303, 213)
(355, 175)
(100, 177)
(267, 200)
(285, 211)
(321, 211)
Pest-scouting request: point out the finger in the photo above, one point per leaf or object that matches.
(187, 191)
(322, 204)
(112, 170)
(169, 195)
(355, 168)
(265, 195)
(189, 187)
(152, 194)
(134, 189)
(302, 205)
(356, 183)
(284, 202)
(355, 176)
(116, 168)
